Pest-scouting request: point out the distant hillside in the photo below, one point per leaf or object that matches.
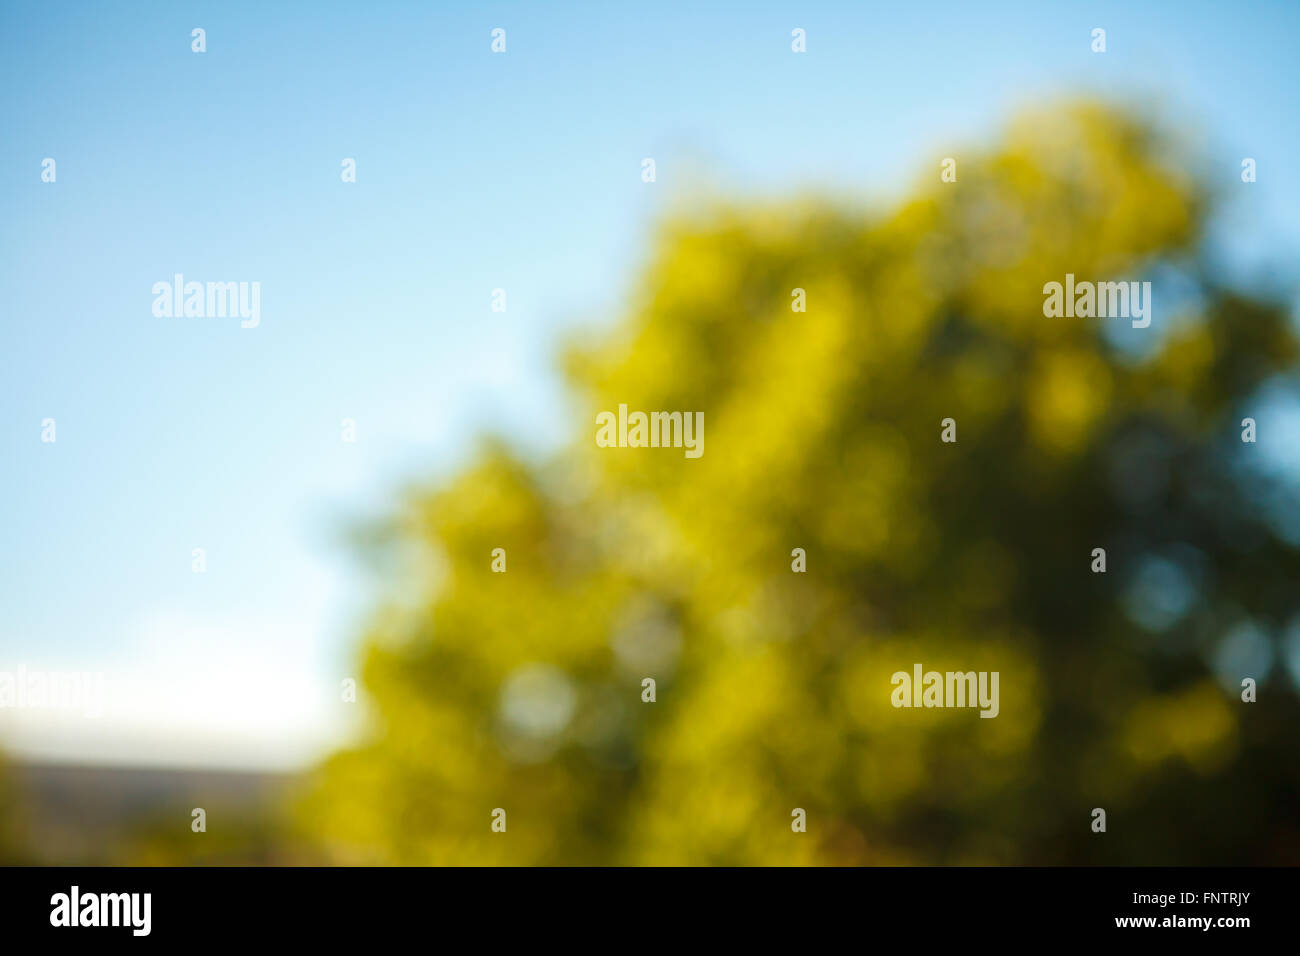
(142, 815)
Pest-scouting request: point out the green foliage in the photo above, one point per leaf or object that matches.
(522, 690)
(13, 851)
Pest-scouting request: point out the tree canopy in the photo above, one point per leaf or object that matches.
(523, 690)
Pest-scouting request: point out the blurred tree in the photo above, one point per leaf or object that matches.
(523, 690)
(13, 849)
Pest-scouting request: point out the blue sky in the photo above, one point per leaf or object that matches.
(475, 171)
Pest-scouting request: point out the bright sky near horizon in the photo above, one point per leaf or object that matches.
(475, 171)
